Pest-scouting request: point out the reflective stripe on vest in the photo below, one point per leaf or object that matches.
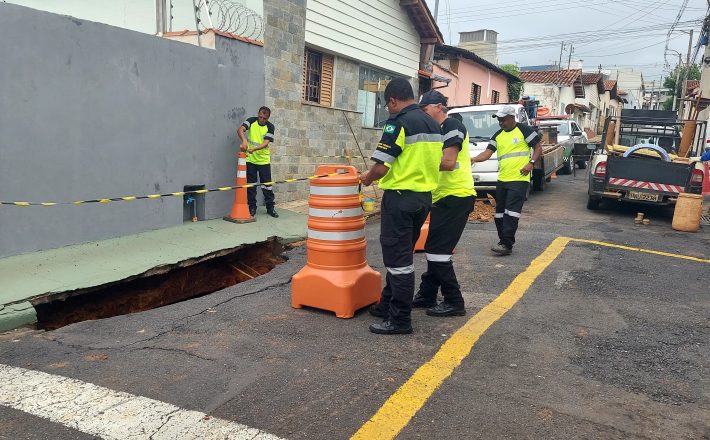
(518, 154)
(333, 190)
(336, 236)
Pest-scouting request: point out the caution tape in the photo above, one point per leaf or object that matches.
(172, 194)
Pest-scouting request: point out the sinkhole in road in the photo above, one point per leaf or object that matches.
(160, 286)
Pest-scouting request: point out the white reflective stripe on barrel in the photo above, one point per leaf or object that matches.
(336, 236)
(242, 161)
(241, 173)
(333, 190)
(335, 213)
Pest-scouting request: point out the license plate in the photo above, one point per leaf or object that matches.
(646, 197)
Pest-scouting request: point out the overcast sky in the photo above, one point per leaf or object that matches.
(618, 41)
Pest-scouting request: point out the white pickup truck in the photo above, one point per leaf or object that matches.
(481, 126)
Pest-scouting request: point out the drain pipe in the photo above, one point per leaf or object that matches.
(161, 17)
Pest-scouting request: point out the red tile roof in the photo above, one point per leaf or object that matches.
(591, 78)
(692, 84)
(609, 84)
(565, 77)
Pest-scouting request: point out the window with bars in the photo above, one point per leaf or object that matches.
(475, 94)
(317, 77)
(495, 97)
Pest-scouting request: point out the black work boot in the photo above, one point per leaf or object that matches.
(389, 328)
(446, 309)
(423, 302)
(379, 310)
(502, 249)
(272, 212)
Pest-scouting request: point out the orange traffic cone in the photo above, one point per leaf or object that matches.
(336, 276)
(419, 245)
(240, 208)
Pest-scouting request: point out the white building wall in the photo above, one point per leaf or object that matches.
(374, 32)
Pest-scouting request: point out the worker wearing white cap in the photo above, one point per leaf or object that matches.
(518, 147)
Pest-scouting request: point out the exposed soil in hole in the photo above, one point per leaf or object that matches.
(154, 291)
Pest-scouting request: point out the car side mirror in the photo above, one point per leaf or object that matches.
(592, 147)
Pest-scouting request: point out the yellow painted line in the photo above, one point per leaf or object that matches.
(399, 409)
(637, 249)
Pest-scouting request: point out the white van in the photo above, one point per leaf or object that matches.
(481, 125)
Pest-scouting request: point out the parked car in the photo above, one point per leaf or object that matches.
(568, 134)
(481, 126)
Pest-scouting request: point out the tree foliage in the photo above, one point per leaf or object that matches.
(672, 82)
(514, 88)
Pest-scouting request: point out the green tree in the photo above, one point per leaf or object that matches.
(672, 82)
(514, 88)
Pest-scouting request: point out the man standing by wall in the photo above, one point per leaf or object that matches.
(256, 134)
(407, 164)
(453, 200)
(515, 164)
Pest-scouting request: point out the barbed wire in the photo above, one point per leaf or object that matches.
(233, 17)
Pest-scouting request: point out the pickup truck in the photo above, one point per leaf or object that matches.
(481, 126)
(644, 168)
(568, 134)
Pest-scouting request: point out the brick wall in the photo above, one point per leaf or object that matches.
(305, 132)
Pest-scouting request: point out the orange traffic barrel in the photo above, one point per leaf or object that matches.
(423, 234)
(336, 276)
(240, 208)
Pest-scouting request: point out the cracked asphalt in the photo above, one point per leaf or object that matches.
(607, 343)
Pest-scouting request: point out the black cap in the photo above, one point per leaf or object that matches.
(433, 97)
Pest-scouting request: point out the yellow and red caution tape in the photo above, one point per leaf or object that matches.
(24, 204)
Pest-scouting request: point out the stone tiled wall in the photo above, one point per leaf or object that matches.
(306, 133)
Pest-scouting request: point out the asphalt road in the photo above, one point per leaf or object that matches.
(606, 343)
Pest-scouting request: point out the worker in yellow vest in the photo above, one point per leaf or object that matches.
(453, 200)
(256, 134)
(518, 147)
(407, 162)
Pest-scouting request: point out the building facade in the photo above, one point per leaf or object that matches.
(468, 79)
(326, 76)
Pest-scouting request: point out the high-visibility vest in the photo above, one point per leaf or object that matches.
(513, 155)
(255, 136)
(416, 166)
(459, 182)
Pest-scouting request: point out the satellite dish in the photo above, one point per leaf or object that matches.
(569, 109)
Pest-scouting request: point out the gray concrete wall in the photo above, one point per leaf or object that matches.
(89, 110)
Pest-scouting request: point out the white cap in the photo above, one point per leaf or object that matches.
(508, 110)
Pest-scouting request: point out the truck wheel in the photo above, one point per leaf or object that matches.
(566, 167)
(593, 204)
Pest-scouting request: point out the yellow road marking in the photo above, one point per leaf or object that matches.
(637, 249)
(399, 409)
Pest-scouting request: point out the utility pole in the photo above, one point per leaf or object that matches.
(436, 12)
(684, 84)
(678, 77)
(559, 63)
(571, 51)
(653, 94)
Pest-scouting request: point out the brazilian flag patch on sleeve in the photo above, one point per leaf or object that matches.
(389, 128)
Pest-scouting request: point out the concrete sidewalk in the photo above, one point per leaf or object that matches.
(89, 265)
